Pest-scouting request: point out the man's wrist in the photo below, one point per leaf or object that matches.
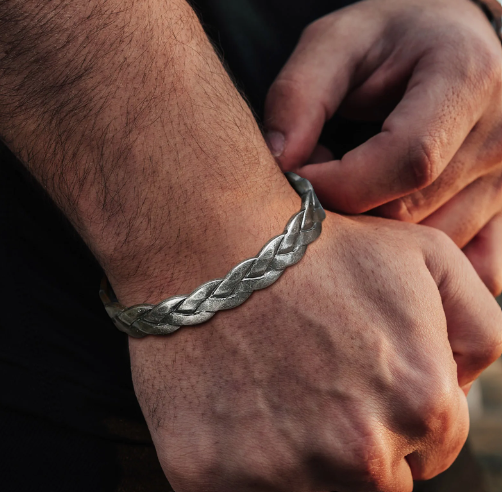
(204, 246)
(252, 274)
(150, 151)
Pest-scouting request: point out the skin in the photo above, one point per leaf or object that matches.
(353, 387)
(349, 373)
(432, 71)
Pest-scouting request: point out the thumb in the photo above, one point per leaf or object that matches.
(310, 88)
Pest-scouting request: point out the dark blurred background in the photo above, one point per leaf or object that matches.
(486, 423)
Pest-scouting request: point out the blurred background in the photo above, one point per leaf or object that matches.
(485, 404)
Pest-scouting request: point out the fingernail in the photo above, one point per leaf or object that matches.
(275, 142)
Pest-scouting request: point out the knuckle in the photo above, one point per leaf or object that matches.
(403, 209)
(449, 444)
(425, 161)
(432, 412)
(363, 459)
(488, 347)
(368, 457)
(490, 68)
(438, 239)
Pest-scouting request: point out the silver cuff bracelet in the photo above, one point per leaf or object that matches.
(250, 275)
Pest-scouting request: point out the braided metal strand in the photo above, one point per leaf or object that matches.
(250, 275)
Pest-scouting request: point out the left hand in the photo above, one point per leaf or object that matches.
(433, 70)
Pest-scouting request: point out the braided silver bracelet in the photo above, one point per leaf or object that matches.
(250, 275)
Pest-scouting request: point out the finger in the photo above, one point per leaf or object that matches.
(450, 432)
(458, 174)
(480, 153)
(311, 86)
(391, 472)
(404, 477)
(474, 325)
(320, 154)
(418, 140)
(474, 319)
(470, 210)
(401, 480)
(485, 254)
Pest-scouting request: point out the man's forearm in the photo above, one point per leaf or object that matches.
(124, 113)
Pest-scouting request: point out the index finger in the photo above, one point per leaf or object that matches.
(417, 141)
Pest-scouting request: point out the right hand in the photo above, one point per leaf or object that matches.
(348, 374)
(431, 71)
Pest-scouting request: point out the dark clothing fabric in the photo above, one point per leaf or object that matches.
(69, 420)
(256, 37)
